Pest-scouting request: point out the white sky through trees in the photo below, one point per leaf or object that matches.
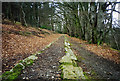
(116, 15)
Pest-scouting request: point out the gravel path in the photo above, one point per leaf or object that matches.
(46, 67)
(106, 69)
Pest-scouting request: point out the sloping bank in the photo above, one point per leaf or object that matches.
(16, 70)
(69, 66)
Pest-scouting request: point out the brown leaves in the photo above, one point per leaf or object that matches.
(103, 51)
(20, 46)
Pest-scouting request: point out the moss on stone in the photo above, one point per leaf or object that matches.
(18, 68)
(65, 59)
(69, 68)
(71, 72)
(13, 74)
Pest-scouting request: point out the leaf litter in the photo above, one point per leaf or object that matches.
(16, 46)
(100, 50)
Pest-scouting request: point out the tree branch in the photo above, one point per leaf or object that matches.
(114, 10)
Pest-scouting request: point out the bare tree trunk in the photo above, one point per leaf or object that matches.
(23, 21)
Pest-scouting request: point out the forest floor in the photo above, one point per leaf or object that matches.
(98, 62)
(19, 42)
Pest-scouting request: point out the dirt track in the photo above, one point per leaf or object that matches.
(47, 65)
(104, 68)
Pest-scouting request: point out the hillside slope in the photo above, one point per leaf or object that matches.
(103, 51)
(19, 42)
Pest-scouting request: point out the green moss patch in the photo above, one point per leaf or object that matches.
(25, 33)
(18, 23)
(15, 72)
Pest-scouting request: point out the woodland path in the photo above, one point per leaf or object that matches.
(46, 67)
